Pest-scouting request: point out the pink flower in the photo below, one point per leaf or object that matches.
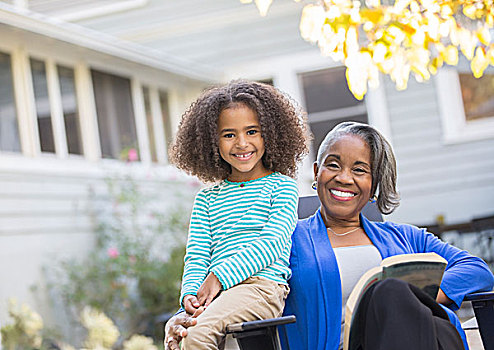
(113, 253)
(132, 156)
(193, 183)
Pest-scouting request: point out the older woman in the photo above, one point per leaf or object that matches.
(335, 246)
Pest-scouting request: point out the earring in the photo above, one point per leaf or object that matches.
(314, 185)
(373, 199)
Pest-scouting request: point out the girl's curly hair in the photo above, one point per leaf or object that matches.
(283, 128)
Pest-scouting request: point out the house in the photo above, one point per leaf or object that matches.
(72, 100)
(84, 82)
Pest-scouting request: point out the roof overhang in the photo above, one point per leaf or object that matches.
(54, 28)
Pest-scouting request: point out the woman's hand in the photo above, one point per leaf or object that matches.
(176, 329)
(208, 290)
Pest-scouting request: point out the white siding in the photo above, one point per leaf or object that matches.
(455, 180)
(47, 215)
(40, 218)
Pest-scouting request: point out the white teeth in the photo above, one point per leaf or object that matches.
(342, 194)
(243, 155)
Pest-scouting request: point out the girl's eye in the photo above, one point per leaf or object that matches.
(251, 132)
(228, 136)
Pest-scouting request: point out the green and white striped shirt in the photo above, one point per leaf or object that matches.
(238, 230)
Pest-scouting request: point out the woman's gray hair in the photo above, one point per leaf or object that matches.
(383, 162)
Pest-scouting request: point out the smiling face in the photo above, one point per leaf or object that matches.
(344, 179)
(240, 143)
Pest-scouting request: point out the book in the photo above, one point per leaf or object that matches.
(424, 270)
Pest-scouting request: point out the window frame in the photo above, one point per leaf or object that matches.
(326, 115)
(56, 107)
(159, 132)
(180, 93)
(374, 105)
(27, 118)
(456, 129)
(159, 129)
(56, 66)
(8, 52)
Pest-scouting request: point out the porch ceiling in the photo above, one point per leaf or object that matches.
(215, 33)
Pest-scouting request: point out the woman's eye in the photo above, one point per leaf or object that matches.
(332, 166)
(360, 171)
(251, 132)
(228, 136)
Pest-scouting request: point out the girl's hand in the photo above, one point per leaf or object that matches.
(208, 290)
(191, 304)
(176, 329)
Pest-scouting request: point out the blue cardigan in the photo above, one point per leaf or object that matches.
(315, 296)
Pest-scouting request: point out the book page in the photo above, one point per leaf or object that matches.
(431, 257)
(423, 274)
(424, 270)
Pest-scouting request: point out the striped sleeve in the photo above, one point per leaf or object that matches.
(198, 253)
(273, 239)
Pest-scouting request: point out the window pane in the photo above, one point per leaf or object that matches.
(116, 121)
(478, 95)
(9, 128)
(326, 90)
(70, 111)
(329, 102)
(43, 111)
(320, 129)
(149, 120)
(165, 114)
(268, 81)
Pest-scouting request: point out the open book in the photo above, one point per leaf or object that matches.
(424, 270)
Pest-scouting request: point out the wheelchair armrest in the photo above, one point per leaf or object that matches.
(253, 325)
(261, 334)
(483, 307)
(480, 296)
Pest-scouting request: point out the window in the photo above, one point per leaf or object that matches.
(329, 101)
(9, 128)
(268, 81)
(70, 111)
(466, 104)
(477, 95)
(150, 124)
(43, 111)
(165, 114)
(116, 121)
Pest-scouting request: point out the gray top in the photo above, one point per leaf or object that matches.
(353, 262)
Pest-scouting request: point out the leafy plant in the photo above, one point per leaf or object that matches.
(133, 274)
(25, 333)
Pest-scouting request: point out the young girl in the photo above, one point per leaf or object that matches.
(247, 137)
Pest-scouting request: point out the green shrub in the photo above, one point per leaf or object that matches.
(134, 272)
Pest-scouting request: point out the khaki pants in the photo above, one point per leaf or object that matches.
(256, 298)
